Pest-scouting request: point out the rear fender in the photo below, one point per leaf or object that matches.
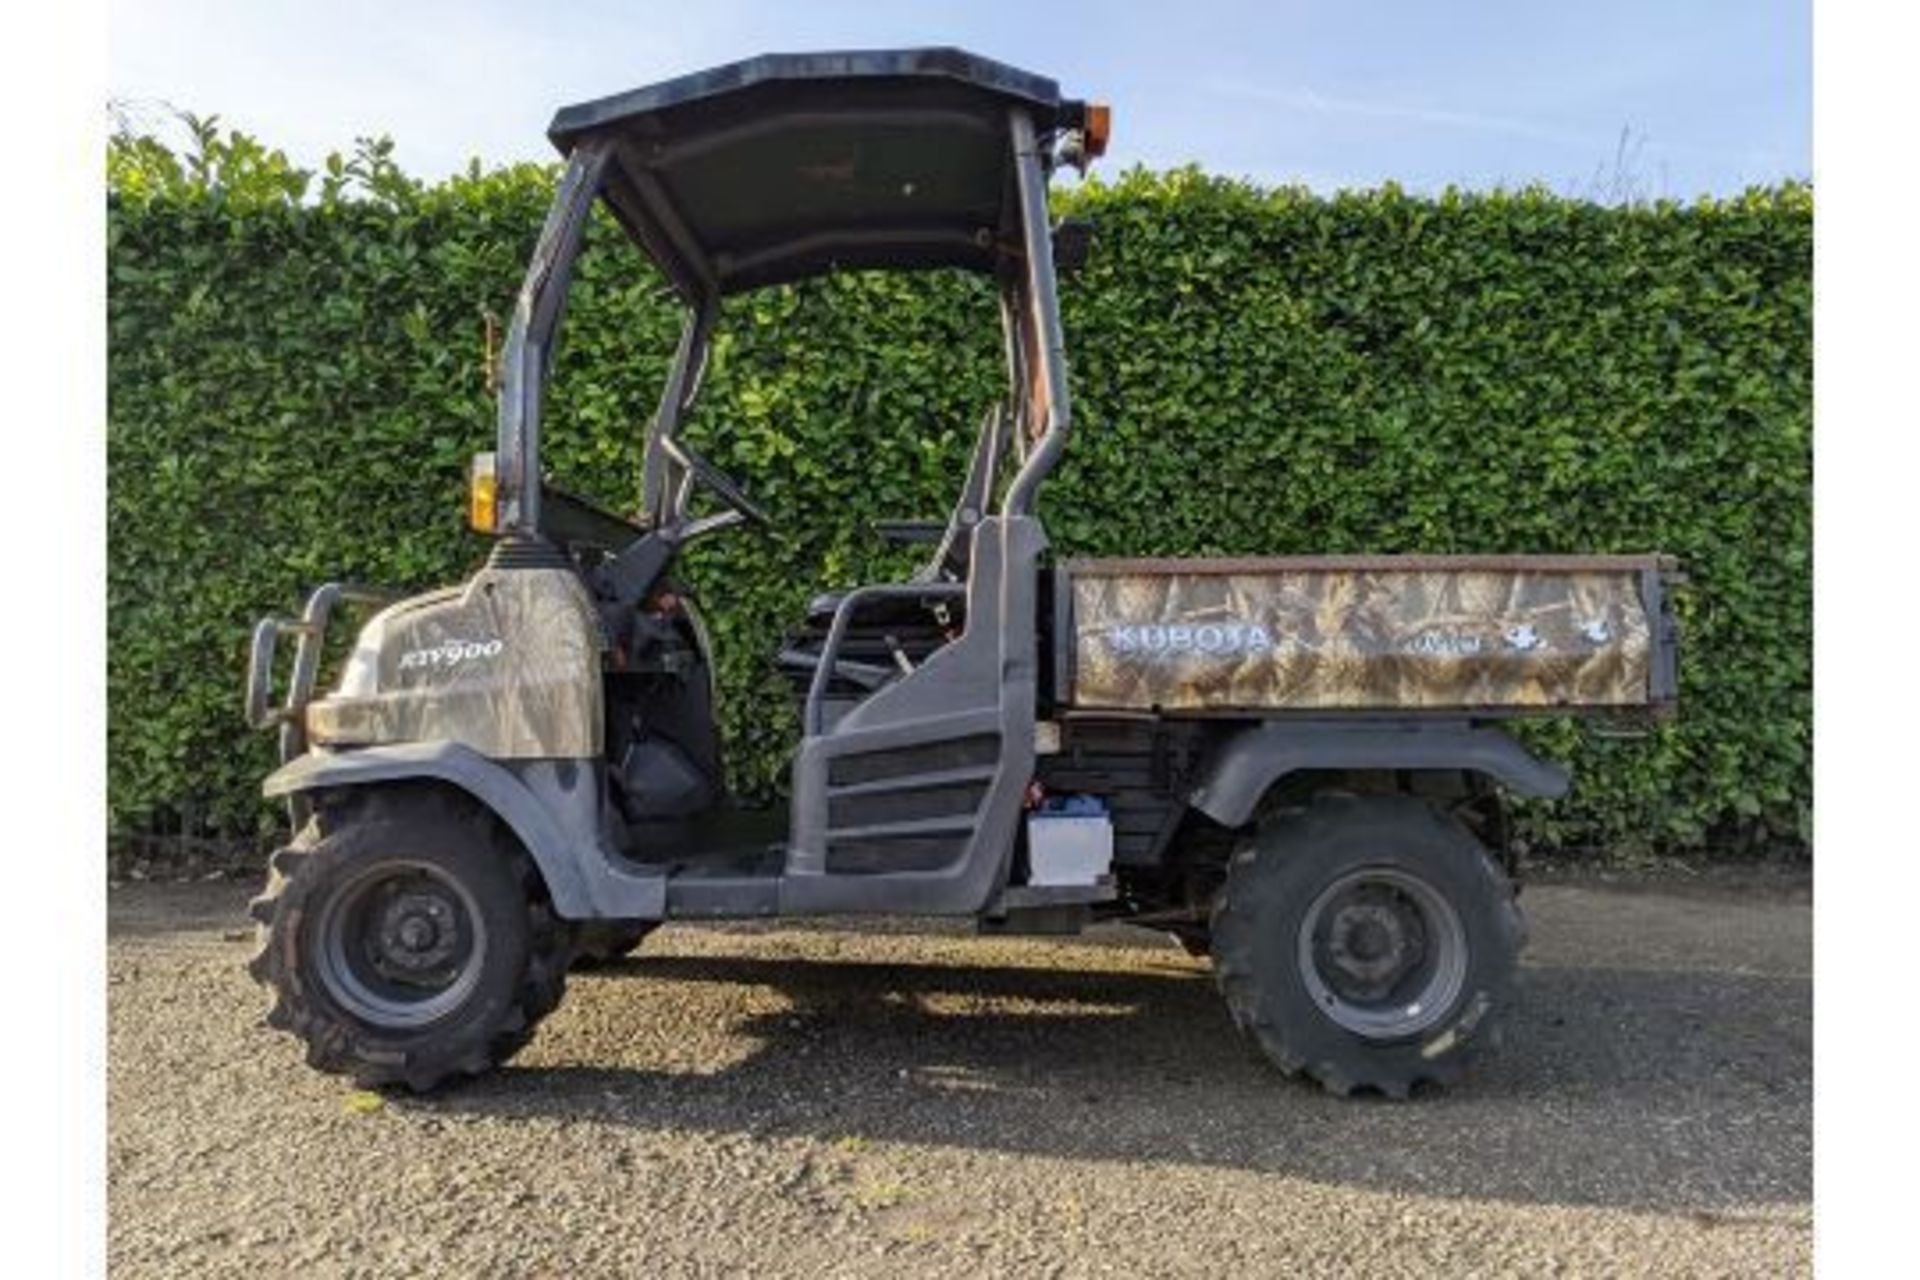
(1248, 761)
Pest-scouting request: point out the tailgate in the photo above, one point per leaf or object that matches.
(1366, 633)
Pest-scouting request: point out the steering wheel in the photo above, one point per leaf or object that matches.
(717, 480)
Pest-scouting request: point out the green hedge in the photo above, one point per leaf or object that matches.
(295, 386)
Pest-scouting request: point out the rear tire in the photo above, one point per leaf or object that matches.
(407, 940)
(1366, 941)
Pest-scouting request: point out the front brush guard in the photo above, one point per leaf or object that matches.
(311, 628)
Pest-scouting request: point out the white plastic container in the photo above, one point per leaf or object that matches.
(1065, 849)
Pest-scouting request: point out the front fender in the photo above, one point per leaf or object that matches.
(1250, 760)
(579, 875)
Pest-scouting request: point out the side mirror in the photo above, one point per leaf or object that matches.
(1072, 241)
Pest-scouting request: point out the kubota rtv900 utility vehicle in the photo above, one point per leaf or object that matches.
(1288, 763)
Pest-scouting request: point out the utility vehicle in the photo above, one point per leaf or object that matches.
(1293, 763)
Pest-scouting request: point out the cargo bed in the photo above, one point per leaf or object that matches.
(1485, 635)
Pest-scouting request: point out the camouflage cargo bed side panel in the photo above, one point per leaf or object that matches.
(1508, 633)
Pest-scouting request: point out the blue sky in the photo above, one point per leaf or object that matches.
(1711, 95)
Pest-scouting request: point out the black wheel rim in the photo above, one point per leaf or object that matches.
(1382, 953)
(401, 944)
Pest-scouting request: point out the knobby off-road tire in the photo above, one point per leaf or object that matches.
(1366, 941)
(407, 940)
(603, 942)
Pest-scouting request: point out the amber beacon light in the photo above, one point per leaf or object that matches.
(1097, 129)
(482, 494)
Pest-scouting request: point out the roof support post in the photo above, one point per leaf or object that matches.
(529, 346)
(1043, 312)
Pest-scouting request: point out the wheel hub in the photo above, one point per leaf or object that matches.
(400, 944)
(417, 934)
(1372, 940)
(1382, 953)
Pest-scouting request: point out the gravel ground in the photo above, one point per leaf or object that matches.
(871, 1101)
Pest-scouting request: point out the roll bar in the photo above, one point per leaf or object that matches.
(1032, 162)
(528, 354)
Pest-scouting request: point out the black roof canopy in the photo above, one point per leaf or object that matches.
(790, 165)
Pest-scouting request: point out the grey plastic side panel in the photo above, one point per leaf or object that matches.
(553, 807)
(1249, 761)
(984, 681)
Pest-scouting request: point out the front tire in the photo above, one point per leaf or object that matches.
(407, 940)
(1367, 942)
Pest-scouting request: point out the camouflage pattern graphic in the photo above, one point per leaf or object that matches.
(509, 665)
(1199, 635)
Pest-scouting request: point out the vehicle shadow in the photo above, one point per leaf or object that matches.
(1644, 1089)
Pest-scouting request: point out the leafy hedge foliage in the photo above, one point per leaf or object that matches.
(297, 383)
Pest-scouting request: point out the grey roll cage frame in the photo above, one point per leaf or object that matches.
(1035, 345)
